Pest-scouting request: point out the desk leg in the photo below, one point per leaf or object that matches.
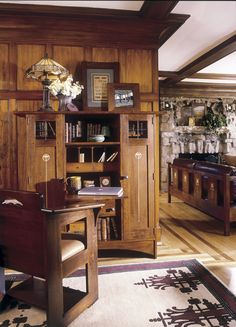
(54, 282)
(2, 282)
(92, 268)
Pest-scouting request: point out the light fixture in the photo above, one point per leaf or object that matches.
(45, 71)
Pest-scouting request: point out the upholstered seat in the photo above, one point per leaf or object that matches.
(70, 248)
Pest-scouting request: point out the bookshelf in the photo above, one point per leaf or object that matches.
(124, 156)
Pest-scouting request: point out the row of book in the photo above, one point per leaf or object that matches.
(107, 229)
(45, 129)
(93, 129)
(73, 131)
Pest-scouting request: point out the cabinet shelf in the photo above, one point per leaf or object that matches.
(102, 144)
(88, 167)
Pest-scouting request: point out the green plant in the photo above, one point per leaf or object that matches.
(214, 121)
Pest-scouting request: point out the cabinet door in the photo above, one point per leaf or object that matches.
(41, 151)
(137, 162)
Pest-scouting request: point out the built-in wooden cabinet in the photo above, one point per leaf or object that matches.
(61, 145)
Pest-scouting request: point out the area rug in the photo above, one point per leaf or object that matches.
(177, 294)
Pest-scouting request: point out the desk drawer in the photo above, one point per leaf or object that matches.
(109, 210)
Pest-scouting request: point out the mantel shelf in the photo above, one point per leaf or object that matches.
(196, 129)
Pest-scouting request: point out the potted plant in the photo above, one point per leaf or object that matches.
(214, 121)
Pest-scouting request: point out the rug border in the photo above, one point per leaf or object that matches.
(214, 285)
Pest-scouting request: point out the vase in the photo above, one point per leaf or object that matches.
(63, 102)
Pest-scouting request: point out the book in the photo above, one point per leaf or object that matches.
(99, 229)
(112, 157)
(114, 228)
(77, 227)
(104, 229)
(105, 190)
(102, 158)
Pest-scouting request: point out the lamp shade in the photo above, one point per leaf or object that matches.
(46, 68)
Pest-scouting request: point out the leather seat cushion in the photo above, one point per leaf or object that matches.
(70, 248)
(213, 168)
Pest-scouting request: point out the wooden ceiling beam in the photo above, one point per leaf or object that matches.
(215, 54)
(161, 10)
(173, 23)
(168, 74)
(157, 9)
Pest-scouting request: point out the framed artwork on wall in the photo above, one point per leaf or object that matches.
(123, 96)
(95, 77)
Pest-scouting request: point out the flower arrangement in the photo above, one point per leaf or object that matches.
(66, 88)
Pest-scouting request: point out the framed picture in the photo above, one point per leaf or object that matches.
(95, 77)
(123, 96)
(105, 181)
(198, 110)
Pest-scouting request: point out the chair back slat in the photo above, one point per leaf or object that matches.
(22, 232)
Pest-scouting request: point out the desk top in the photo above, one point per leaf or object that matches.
(75, 198)
(76, 207)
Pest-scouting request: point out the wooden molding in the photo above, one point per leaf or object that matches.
(21, 95)
(148, 28)
(214, 76)
(199, 90)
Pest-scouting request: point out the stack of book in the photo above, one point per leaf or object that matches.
(107, 229)
(73, 131)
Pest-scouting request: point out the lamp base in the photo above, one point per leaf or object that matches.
(46, 109)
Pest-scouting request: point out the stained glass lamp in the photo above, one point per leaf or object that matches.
(46, 71)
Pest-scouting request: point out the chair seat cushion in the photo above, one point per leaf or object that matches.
(70, 248)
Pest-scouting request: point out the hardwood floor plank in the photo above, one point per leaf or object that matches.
(188, 229)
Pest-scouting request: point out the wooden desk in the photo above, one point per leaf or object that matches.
(33, 290)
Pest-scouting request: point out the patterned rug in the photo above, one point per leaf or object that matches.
(176, 294)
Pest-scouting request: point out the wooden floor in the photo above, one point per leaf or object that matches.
(189, 233)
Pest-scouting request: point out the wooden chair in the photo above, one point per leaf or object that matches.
(31, 242)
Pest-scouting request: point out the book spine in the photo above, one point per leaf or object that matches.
(99, 229)
(66, 133)
(114, 228)
(108, 228)
(104, 229)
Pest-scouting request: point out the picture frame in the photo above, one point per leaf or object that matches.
(95, 76)
(123, 96)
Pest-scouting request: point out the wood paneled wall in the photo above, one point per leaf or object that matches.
(17, 93)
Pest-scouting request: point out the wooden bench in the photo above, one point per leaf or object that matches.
(209, 187)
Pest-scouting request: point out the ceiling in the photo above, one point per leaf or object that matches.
(201, 50)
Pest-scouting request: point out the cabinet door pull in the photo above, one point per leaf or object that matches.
(124, 177)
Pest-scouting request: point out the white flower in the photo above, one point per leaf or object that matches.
(67, 88)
